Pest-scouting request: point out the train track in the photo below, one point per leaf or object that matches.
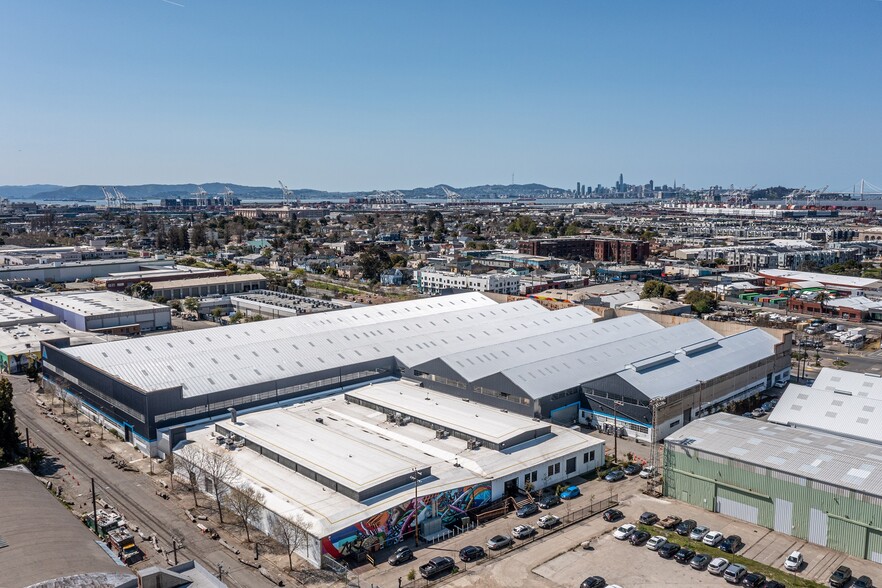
(112, 494)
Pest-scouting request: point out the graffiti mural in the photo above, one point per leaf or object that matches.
(392, 526)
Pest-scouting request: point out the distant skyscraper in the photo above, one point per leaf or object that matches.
(651, 185)
(578, 187)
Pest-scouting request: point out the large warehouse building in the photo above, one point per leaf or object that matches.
(820, 487)
(108, 312)
(519, 356)
(360, 471)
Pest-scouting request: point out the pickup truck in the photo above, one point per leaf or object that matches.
(669, 522)
(436, 566)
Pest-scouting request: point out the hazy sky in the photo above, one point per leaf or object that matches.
(380, 94)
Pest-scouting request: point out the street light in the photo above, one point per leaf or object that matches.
(616, 429)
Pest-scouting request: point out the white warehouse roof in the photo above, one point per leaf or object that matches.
(98, 303)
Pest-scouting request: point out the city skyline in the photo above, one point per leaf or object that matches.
(350, 97)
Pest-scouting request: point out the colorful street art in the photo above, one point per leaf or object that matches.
(394, 525)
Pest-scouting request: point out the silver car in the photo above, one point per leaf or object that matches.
(718, 565)
(498, 542)
(698, 533)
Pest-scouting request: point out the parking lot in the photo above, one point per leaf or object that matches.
(557, 559)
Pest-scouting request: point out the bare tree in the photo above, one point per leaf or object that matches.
(292, 533)
(75, 405)
(247, 502)
(220, 473)
(191, 464)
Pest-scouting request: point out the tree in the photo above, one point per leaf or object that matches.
(372, 262)
(32, 370)
(221, 473)
(656, 289)
(142, 290)
(216, 312)
(8, 433)
(191, 303)
(702, 301)
(191, 464)
(291, 533)
(237, 316)
(247, 502)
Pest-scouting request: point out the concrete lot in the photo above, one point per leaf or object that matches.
(556, 559)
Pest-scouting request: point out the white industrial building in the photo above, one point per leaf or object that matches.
(358, 469)
(104, 311)
(20, 344)
(430, 281)
(15, 312)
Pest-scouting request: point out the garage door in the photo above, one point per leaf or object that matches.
(817, 527)
(735, 509)
(783, 516)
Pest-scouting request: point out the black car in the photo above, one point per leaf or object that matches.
(593, 582)
(401, 555)
(668, 550)
(685, 555)
(639, 537)
(700, 561)
(527, 510)
(863, 582)
(549, 501)
(753, 580)
(773, 584)
(685, 527)
(632, 469)
(613, 515)
(648, 518)
(731, 544)
(471, 553)
(840, 577)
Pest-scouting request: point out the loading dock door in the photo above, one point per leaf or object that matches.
(817, 527)
(736, 509)
(783, 516)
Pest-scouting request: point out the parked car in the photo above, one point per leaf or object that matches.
(717, 566)
(669, 522)
(731, 544)
(840, 577)
(498, 542)
(648, 472)
(648, 518)
(527, 510)
(758, 413)
(766, 407)
(435, 566)
(593, 582)
(571, 492)
(402, 554)
(613, 515)
(624, 531)
(793, 561)
(548, 521)
(748, 415)
(685, 527)
(549, 501)
(685, 555)
(522, 531)
(699, 561)
(863, 582)
(734, 573)
(713, 538)
(614, 476)
(638, 538)
(632, 469)
(698, 533)
(668, 550)
(655, 542)
(753, 580)
(471, 553)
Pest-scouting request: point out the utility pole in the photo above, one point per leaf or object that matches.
(616, 429)
(654, 404)
(416, 511)
(94, 510)
(28, 446)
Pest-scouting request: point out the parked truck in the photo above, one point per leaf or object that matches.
(435, 566)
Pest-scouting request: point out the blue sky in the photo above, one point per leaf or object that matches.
(397, 94)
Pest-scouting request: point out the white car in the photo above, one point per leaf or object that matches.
(624, 532)
(793, 561)
(713, 538)
(717, 566)
(655, 542)
(548, 521)
(522, 531)
(647, 472)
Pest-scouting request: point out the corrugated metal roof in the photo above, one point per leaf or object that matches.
(843, 413)
(824, 457)
(684, 367)
(867, 385)
(551, 375)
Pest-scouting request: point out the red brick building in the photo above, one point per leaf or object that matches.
(590, 248)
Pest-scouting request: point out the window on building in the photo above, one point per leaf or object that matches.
(675, 423)
(588, 456)
(550, 470)
(557, 468)
(534, 476)
(571, 465)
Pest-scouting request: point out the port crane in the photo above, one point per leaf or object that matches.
(201, 196)
(287, 194)
(811, 198)
(227, 196)
(450, 194)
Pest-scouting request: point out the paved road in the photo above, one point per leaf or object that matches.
(133, 494)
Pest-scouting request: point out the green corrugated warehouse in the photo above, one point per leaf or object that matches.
(820, 487)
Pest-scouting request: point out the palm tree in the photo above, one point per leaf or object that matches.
(821, 299)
